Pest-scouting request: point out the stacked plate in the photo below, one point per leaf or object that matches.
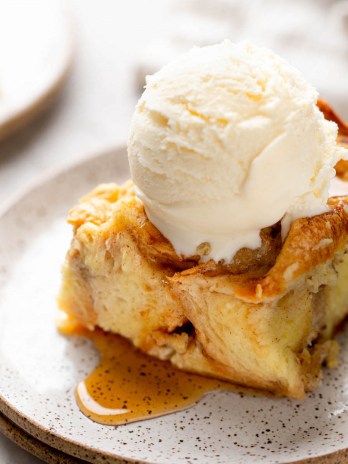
(39, 368)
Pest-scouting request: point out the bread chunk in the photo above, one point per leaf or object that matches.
(264, 321)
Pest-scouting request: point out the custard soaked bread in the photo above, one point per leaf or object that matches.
(265, 320)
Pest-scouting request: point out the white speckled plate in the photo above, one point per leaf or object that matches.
(39, 368)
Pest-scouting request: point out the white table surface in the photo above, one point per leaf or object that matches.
(95, 107)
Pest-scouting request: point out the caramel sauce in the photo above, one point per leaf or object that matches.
(128, 385)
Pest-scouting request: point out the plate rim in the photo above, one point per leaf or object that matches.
(51, 438)
(32, 445)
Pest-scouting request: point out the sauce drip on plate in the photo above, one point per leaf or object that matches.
(128, 385)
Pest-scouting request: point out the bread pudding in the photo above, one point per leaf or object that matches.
(224, 256)
(264, 321)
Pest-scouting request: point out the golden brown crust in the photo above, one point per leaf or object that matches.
(255, 275)
(310, 242)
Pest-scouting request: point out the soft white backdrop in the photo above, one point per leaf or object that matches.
(117, 42)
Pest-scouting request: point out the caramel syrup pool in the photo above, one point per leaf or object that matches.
(128, 385)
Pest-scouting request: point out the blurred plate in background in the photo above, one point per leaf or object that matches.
(35, 54)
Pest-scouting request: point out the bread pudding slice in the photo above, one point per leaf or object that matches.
(264, 321)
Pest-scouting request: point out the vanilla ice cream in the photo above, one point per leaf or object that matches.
(225, 141)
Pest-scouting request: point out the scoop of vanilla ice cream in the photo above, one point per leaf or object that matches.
(225, 141)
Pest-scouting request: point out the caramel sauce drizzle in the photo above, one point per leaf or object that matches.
(128, 385)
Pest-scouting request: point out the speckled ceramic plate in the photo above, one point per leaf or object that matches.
(39, 368)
